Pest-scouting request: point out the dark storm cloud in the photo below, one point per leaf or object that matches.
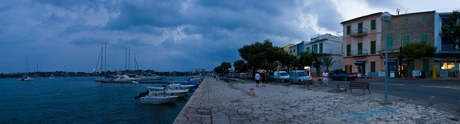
(384, 4)
(327, 14)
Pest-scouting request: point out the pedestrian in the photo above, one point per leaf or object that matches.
(264, 80)
(325, 81)
(257, 77)
(217, 77)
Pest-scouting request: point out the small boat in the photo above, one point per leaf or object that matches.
(194, 83)
(135, 82)
(52, 76)
(176, 86)
(152, 96)
(168, 91)
(26, 78)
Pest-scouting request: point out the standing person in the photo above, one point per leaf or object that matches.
(325, 75)
(217, 77)
(257, 77)
(263, 80)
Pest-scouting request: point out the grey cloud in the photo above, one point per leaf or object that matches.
(327, 13)
(88, 41)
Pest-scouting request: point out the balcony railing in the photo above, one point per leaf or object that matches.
(325, 51)
(359, 52)
(359, 32)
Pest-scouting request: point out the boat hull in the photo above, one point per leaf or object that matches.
(158, 99)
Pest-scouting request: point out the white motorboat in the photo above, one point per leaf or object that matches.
(150, 77)
(26, 78)
(176, 86)
(52, 76)
(152, 96)
(168, 91)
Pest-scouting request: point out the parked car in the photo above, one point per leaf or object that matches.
(343, 75)
(297, 76)
(280, 75)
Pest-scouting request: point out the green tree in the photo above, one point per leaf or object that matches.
(287, 59)
(451, 28)
(223, 68)
(328, 61)
(257, 53)
(307, 58)
(417, 50)
(240, 66)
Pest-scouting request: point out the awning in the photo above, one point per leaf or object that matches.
(391, 61)
(360, 62)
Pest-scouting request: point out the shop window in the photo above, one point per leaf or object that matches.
(447, 65)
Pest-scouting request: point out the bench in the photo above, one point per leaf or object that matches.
(359, 85)
(306, 83)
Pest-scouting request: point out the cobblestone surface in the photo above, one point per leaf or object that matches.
(216, 102)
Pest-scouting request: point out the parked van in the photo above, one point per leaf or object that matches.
(297, 76)
(280, 75)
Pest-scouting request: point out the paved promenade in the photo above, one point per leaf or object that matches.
(216, 102)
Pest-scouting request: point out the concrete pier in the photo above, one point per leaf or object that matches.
(216, 102)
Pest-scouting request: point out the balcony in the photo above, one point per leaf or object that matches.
(325, 52)
(359, 52)
(449, 49)
(359, 32)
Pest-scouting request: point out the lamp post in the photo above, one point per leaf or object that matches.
(386, 17)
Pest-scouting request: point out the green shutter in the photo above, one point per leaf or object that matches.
(389, 23)
(423, 19)
(373, 47)
(424, 38)
(406, 21)
(372, 66)
(360, 28)
(389, 43)
(348, 30)
(372, 24)
(406, 39)
(348, 49)
(360, 48)
(411, 65)
(426, 66)
(320, 47)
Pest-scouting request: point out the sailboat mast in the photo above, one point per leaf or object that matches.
(27, 62)
(102, 60)
(105, 57)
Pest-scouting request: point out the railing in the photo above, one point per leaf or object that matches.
(325, 51)
(359, 52)
(448, 47)
(359, 32)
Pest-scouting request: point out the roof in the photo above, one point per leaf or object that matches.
(378, 13)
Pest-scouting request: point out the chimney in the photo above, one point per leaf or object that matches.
(397, 10)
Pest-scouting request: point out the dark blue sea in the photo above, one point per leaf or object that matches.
(80, 100)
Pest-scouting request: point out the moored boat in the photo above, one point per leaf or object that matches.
(152, 96)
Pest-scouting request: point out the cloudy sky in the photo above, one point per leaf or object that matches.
(168, 35)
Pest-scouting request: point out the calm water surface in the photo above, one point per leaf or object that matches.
(80, 100)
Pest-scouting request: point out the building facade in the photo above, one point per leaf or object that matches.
(447, 59)
(365, 43)
(326, 45)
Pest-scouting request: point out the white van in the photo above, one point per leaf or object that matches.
(297, 76)
(280, 75)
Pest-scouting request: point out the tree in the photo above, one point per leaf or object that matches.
(240, 66)
(306, 58)
(256, 53)
(286, 59)
(328, 62)
(451, 28)
(223, 68)
(417, 50)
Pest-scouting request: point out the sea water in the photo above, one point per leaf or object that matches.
(80, 100)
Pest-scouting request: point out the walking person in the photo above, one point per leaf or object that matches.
(263, 80)
(325, 81)
(257, 77)
(217, 77)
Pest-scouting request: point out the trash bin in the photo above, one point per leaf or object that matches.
(422, 74)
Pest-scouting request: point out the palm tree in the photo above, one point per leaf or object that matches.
(328, 62)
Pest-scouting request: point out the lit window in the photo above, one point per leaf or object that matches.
(447, 65)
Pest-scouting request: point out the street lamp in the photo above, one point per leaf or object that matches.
(386, 17)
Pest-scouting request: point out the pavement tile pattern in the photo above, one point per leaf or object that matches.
(218, 103)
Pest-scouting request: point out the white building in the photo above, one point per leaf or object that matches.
(326, 45)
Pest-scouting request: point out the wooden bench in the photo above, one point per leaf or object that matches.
(359, 85)
(306, 83)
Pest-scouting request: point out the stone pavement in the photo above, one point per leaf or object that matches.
(216, 102)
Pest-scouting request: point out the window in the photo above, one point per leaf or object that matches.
(447, 65)
(372, 66)
(424, 38)
(423, 19)
(389, 23)
(360, 48)
(426, 66)
(406, 39)
(348, 49)
(348, 30)
(360, 28)
(411, 65)
(320, 47)
(308, 49)
(373, 47)
(389, 43)
(372, 24)
(406, 21)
